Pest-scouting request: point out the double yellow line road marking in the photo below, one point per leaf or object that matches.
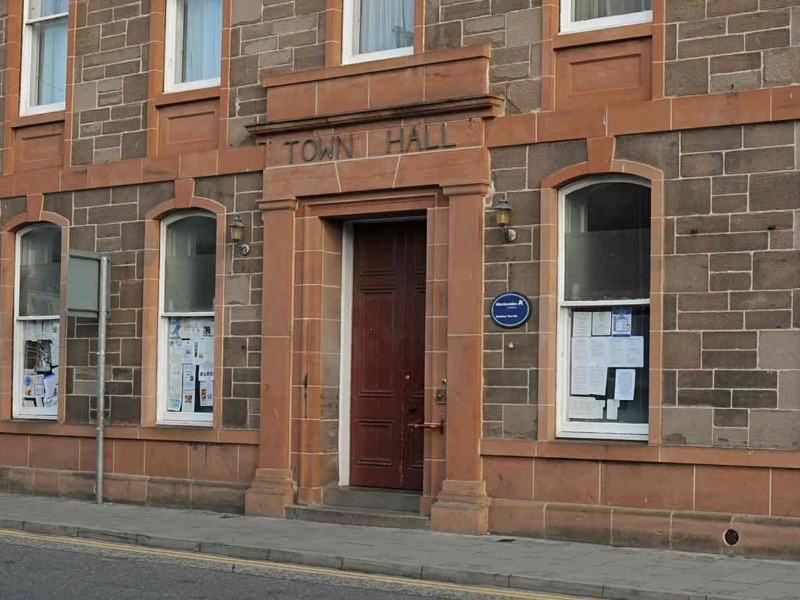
(211, 559)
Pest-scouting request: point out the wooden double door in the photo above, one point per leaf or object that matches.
(388, 354)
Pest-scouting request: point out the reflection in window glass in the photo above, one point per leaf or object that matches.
(186, 377)
(605, 314)
(607, 242)
(40, 272)
(189, 265)
(37, 341)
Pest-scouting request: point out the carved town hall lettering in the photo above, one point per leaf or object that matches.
(398, 141)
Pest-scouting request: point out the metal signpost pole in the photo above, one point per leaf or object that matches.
(101, 372)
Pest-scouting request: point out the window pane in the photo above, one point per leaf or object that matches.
(39, 377)
(202, 39)
(583, 10)
(40, 272)
(607, 242)
(45, 8)
(189, 265)
(386, 25)
(190, 364)
(51, 82)
(616, 359)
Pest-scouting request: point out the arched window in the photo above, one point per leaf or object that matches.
(186, 319)
(37, 322)
(604, 309)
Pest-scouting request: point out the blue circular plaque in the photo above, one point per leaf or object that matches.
(510, 310)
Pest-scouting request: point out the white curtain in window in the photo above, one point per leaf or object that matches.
(386, 25)
(45, 8)
(202, 39)
(52, 69)
(583, 10)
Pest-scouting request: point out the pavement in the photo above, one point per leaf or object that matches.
(501, 561)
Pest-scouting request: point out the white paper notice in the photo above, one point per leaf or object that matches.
(600, 347)
(188, 378)
(581, 379)
(597, 380)
(624, 384)
(581, 351)
(626, 352)
(581, 324)
(188, 351)
(612, 410)
(601, 322)
(585, 408)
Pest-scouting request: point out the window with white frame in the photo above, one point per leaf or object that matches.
(604, 309)
(44, 56)
(37, 324)
(584, 15)
(193, 44)
(376, 29)
(186, 319)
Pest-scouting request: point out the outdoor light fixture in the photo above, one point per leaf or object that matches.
(502, 213)
(237, 232)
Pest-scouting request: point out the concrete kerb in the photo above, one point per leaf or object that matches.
(465, 576)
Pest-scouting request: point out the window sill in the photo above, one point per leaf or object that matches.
(58, 116)
(167, 99)
(599, 36)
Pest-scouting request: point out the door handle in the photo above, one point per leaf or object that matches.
(423, 425)
(412, 410)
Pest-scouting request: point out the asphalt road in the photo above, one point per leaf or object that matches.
(34, 567)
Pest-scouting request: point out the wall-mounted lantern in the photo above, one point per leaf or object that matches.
(237, 233)
(502, 215)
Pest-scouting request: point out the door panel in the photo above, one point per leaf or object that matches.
(387, 379)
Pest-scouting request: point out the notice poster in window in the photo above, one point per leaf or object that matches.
(206, 393)
(585, 408)
(612, 410)
(39, 379)
(581, 324)
(188, 377)
(626, 352)
(624, 384)
(188, 401)
(601, 322)
(621, 321)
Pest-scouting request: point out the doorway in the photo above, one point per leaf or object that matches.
(387, 374)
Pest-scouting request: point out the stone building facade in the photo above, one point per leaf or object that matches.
(687, 111)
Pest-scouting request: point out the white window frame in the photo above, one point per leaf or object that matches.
(165, 417)
(584, 429)
(18, 410)
(173, 49)
(351, 26)
(570, 26)
(30, 64)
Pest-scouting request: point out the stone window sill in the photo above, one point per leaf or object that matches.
(599, 36)
(58, 116)
(209, 93)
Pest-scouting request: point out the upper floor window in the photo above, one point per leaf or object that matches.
(376, 29)
(37, 322)
(44, 56)
(186, 328)
(604, 309)
(193, 44)
(583, 15)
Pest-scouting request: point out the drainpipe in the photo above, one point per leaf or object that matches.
(101, 373)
